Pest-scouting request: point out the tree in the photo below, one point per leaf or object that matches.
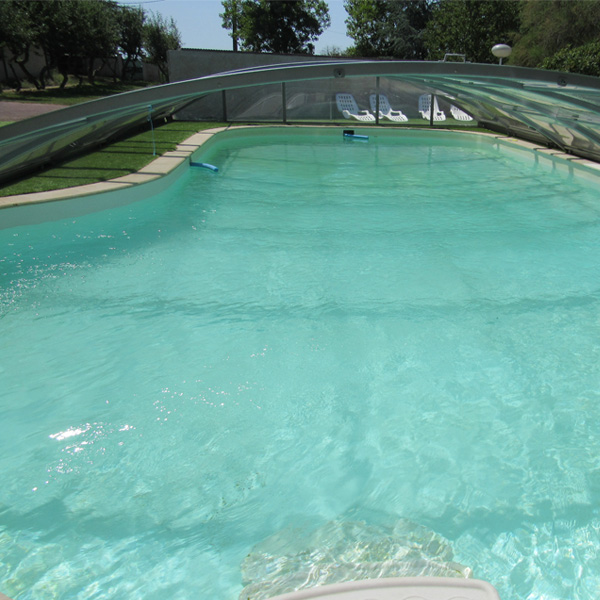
(334, 52)
(283, 26)
(74, 34)
(583, 59)
(547, 27)
(78, 37)
(17, 35)
(392, 28)
(232, 16)
(471, 27)
(100, 32)
(131, 41)
(58, 35)
(160, 36)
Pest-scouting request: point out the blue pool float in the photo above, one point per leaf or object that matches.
(355, 136)
(205, 166)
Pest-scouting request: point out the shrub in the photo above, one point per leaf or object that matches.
(582, 59)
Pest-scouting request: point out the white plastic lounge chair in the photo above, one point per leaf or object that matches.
(425, 108)
(347, 106)
(385, 110)
(460, 115)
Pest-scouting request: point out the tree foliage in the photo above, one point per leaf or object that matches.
(582, 59)
(17, 35)
(73, 34)
(550, 26)
(131, 38)
(282, 26)
(471, 27)
(558, 34)
(388, 28)
(231, 17)
(79, 37)
(160, 36)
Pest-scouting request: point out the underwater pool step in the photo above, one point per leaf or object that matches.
(400, 588)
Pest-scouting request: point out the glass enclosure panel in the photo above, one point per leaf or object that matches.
(310, 101)
(206, 108)
(345, 100)
(402, 96)
(413, 101)
(341, 100)
(258, 103)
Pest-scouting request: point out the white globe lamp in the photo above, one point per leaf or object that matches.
(501, 51)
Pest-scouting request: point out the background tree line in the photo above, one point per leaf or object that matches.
(286, 27)
(79, 38)
(555, 34)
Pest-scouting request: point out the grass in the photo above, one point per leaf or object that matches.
(71, 94)
(114, 160)
(5, 123)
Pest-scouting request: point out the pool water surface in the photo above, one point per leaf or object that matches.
(330, 359)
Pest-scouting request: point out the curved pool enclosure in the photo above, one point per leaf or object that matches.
(333, 359)
(548, 107)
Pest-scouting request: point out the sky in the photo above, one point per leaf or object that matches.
(200, 26)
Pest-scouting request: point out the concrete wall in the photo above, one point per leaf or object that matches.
(112, 67)
(189, 63)
(34, 65)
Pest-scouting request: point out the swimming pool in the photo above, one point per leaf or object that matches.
(330, 358)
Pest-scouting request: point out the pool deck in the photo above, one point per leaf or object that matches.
(169, 161)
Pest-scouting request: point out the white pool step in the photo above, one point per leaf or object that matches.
(400, 588)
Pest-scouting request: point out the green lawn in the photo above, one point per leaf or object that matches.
(115, 160)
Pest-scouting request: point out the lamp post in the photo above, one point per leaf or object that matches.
(501, 51)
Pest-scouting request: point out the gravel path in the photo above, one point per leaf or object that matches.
(17, 111)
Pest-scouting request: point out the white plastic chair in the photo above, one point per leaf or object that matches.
(460, 115)
(347, 106)
(425, 108)
(385, 110)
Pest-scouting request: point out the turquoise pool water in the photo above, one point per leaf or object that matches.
(330, 359)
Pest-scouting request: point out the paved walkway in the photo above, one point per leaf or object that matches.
(17, 111)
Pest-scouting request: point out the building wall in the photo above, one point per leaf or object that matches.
(34, 65)
(111, 67)
(189, 63)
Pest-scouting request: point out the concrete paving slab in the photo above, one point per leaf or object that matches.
(197, 139)
(55, 195)
(163, 165)
(135, 178)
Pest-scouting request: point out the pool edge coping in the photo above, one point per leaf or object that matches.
(170, 160)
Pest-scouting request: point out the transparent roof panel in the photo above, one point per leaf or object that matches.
(559, 109)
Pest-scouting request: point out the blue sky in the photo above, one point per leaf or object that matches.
(200, 24)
